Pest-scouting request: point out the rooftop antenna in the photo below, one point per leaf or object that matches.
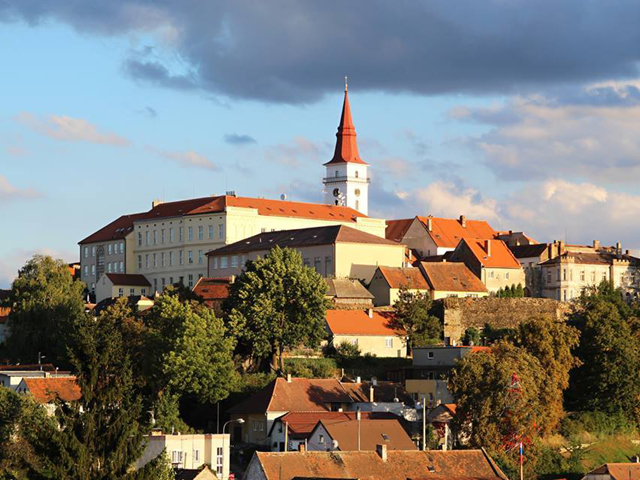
(346, 83)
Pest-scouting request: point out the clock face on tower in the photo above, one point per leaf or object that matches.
(357, 192)
(336, 192)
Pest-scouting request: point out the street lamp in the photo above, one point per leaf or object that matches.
(237, 420)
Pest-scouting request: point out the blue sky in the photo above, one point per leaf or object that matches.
(106, 108)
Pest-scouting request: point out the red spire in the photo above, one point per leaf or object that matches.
(346, 145)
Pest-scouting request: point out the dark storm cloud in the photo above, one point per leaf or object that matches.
(237, 139)
(295, 52)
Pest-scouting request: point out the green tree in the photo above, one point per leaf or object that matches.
(552, 343)
(101, 435)
(499, 401)
(413, 315)
(167, 414)
(277, 303)
(46, 306)
(519, 291)
(471, 336)
(190, 352)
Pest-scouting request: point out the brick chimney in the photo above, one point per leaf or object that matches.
(371, 396)
(596, 244)
(288, 378)
(463, 221)
(429, 224)
(370, 312)
(487, 247)
(382, 451)
(560, 247)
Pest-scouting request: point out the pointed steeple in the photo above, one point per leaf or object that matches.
(346, 145)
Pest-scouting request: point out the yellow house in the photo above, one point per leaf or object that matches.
(386, 282)
(335, 251)
(452, 279)
(113, 285)
(369, 330)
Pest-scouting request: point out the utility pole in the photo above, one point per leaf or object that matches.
(359, 417)
(424, 424)
(286, 436)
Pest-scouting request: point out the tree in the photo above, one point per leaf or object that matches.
(277, 303)
(167, 414)
(519, 291)
(471, 336)
(101, 435)
(499, 400)
(190, 351)
(412, 315)
(47, 304)
(552, 343)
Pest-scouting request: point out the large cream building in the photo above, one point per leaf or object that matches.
(168, 243)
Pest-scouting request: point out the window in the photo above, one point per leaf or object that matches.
(549, 277)
(200, 257)
(139, 262)
(120, 292)
(93, 251)
(190, 254)
(109, 267)
(219, 460)
(564, 295)
(593, 276)
(200, 232)
(155, 284)
(223, 262)
(121, 267)
(214, 263)
(234, 261)
(146, 237)
(146, 260)
(86, 252)
(306, 262)
(255, 426)
(155, 237)
(190, 234)
(337, 173)
(171, 258)
(109, 249)
(121, 247)
(196, 455)
(132, 292)
(317, 264)
(357, 173)
(176, 456)
(190, 280)
(171, 236)
(164, 283)
(221, 231)
(86, 270)
(582, 275)
(354, 341)
(155, 260)
(243, 260)
(604, 275)
(143, 291)
(180, 234)
(170, 280)
(564, 274)
(491, 274)
(162, 259)
(162, 236)
(430, 355)
(388, 342)
(506, 276)
(93, 269)
(210, 232)
(357, 204)
(181, 257)
(321, 439)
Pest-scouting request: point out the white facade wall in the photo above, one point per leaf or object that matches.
(347, 184)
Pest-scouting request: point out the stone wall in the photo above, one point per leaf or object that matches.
(458, 314)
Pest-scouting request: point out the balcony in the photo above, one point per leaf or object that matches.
(329, 180)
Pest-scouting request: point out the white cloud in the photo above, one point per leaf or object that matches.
(445, 199)
(10, 192)
(187, 159)
(62, 127)
(300, 150)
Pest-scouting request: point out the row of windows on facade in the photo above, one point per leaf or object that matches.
(563, 275)
(163, 259)
(163, 281)
(495, 275)
(112, 249)
(112, 267)
(178, 457)
(156, 237)
(388, 342)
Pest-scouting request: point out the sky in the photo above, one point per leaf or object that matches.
(526, 114)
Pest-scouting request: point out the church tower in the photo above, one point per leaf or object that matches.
(347, 180)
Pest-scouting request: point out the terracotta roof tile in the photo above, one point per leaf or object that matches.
(347, 288)
(527, 251)
(400, 465)
(372, 433)
(397, 228)
(47, 389)
(385, 392)
(619, 471)
(4, 314)
(451, 277)
(358, 322)
(116, 230)
(447, 232)
(500, 257)
(410, 277)
(210, 289)
(301, 424)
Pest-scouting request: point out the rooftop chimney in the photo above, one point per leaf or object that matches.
(370, 312)
(301, 448)
(487, 247)
(358, 380)
(463, 221)
(382, 451)
(429, 224)
(596, 244)
(560, 247)
(288, 378)
(156, 202)
(371, 400)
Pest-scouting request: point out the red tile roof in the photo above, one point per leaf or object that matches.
(346, 146)
(500, 257)
(358, 322)
(121, 227)
(619, 471)
(301, 395)
(397, 228)
(301, 424)
(212, 289)
(400, 465)
(45, 390)
(409, 277)
(447, 232)
(372, 433)
(4, 314)
(451, 277)
(133, 279)
(28, 367)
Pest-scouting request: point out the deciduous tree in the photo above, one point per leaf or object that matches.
(412, 314)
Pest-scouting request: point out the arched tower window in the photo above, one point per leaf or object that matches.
(337, 173)
(357, 173)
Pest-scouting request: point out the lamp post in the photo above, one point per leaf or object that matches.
(238, 420)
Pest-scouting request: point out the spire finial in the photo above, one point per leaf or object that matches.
(346, 82)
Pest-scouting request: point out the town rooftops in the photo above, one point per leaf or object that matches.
(372, 433)
(46, 390)
(212, 289)
(347, 288)
(358, 322)
(451, 277)
(447, 232)
(409, 277)
(383, 392)
(4, 314)
(528, 251)
(618, 471)
(492, 253)
(298, 395)
(396, 229)
(302, 237)
(28, 367)
(598, 258)
(128, 279)
(399, 465)
(122, 226)
(301, 424)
